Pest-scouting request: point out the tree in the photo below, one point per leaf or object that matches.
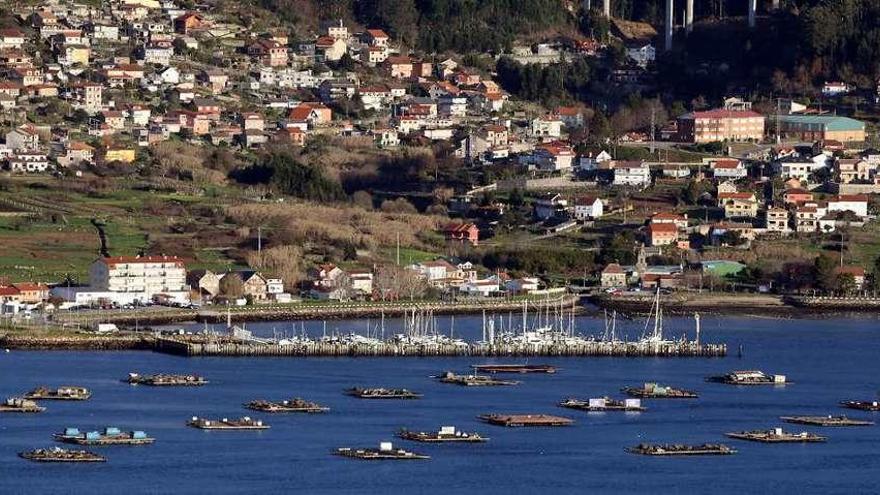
(231, 286)
(825, 276)
(846, 284)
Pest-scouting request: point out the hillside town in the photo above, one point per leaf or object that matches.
(667, 203)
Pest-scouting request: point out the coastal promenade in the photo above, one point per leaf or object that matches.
(304, 311)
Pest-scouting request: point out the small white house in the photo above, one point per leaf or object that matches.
(483, 288)
(632, 174)
(642, 55)
(588, 208)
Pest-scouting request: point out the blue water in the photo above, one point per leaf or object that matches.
(828, 361)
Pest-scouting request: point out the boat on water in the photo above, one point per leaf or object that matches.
(385, 452)
(473, 380)
(110, 436)
(829, 420)
(654, 391)
(57, 454)
(165, 380)
(244, 423)
(681, 449)
(514, 368)
(603, 404)
(447, 434)
(519, 420)
(777, 435)
(60, 393)
(861, 405)
(20, 405)
(292, 405)
(749, 377)
(382, 393)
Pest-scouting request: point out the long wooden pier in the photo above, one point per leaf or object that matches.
(190, 347)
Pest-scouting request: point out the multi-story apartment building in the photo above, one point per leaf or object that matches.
(720, 125)
(149, 275)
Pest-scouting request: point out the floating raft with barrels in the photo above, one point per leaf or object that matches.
(681, 450)
(474, 380)
(61, 455)
(447, 434)
(382, 393)
(385, 452)
(603, 404)
(20, 405)
(519, 420)
(245, 423)
(293, 405)
(217, 346)
(654, 391)
(826, 421)
(861, 405)
(110, 436)
(60, 393)
(165, 380)
(514, 368)
(751, 377)
(776, 435)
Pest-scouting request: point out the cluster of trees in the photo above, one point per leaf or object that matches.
(540, 260)
(462, 26)
(287, 174)
(550, 84)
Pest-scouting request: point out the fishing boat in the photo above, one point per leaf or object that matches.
(514, 368)
(473, 380)
(165, 380)
(680, 449)
(861, 405)
(382, 393)
(110, 436)
(245, 423)
(20, 405)
(654, 391)
(445, 435)
(60, 393)
(292, 405)
(776, 435)
(750, 377)
(826, 421)
(385, 452)
(603, 404)
(519, 420)
(56, 454)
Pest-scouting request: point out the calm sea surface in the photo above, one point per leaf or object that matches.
(827, 360)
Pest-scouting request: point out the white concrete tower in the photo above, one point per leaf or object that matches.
(606, 8)
(669, 19)
(753, 6)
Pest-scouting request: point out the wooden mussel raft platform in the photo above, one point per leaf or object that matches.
(861, 405)
(654, 391)
(198, 345)
(514, 368)
(20, 405)
(447, 434)
(750, 377)
(385, 452)
(110, 436)
(245, 423)
(292, 405)
(680, 449)
(776, 435)
(60, 393)
(603, 404)
(825, 421)
(517, 420)
(473, 380)
(61, 455)
(165, 380)
(382, 393)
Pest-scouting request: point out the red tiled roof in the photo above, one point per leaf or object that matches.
(662, 228)
(720, 113)
(851, 197)
(113, 260)
(736, 195)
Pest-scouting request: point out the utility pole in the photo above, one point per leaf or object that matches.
(653, 124)
(398, 249)
(259, 239)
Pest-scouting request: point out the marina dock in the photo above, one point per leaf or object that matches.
(198, 345)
